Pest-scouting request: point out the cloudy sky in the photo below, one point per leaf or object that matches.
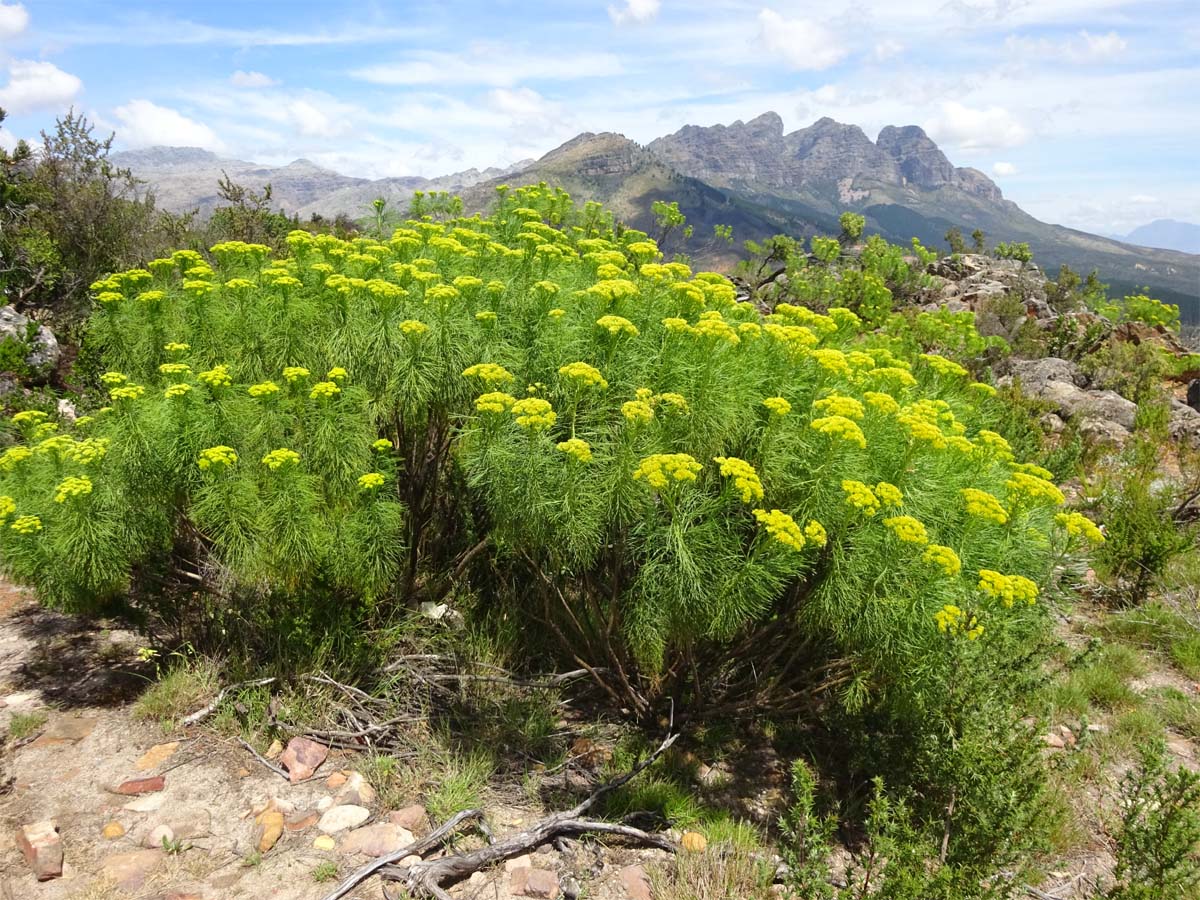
(1086, 112)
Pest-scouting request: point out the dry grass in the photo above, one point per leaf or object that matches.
(720, 873)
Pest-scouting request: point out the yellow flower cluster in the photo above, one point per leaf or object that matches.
(1079, 525)
(1030, 489)
(713, 325)
(860, 496)
(885, 403)
(492, 402)
(174, 391)
(888, 494)
(324, 390)
(638, 412)
(777, 406)
(292, 374)
(943, 366)
(217, 456)
(263, 389)
(282, 457)
(27, 525)
(174, 368)
(832, 361)
(662, 469)
(583, 374)
(577, 449)
(995, 443)
(176, 347)
(31, 416)
(1008, 589)
(985, 390)
(127, 392)
(617, 325)
(489, 373)
(534, 414)
(984, 505)
(783, 528)
(413, 328)
(953, 621)
(370, 481)
(337, 373)
(8, 506)
(842, 428)
(944, 557)
(217, 376)
(840, 405)
(383, 445)
(110, 378)
(75, 486)
(13, 456)
(745, 479)
(87, 451)
(908, 529)
(675, 401)
(556, 313)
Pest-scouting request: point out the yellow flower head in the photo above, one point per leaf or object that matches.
(943, 366)
(292, 374)
(617, 325)
(816, 533)
(674, 401)
(583, 374)
(639, 412)
(842, 428)
(31, 416)
(885, 403)
(175, 391)
(1033, 490)
(217, 456)
(840, 405)
(1008, 589)
(777, 406)
(14, 456)
(73, 487)
(486, 316)
(908, 529)
(8, 506)
(1079, 525)
(370, 481)
(953, 621)
(264, 389)
(494, 402)
(337, 373)
(324, 390)
(282, 457)
(832, 361)
(782, 528)
(413, 328)
(174, 368)
(127, 392)
(888, 494)
(383, 445)
(27, 525)
(577, 449)
(112, 379)
(999, 447)
(489, 373)
(556, 313)
(217, 376)
(745, 479)
(860, 496)
(534, 414)
(984, 505)
(984, 390)
(663, 469)
(943, 557)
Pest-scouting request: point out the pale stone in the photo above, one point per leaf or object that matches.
(377, 840)
(339, 818)
(156, 756)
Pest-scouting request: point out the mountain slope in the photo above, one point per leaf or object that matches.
(1168, 234)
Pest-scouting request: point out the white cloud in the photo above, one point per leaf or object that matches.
(13, 20)
(251, 80)
(8, 140)
(145, 124)
(976, 129)
(802, 43)
(637, 12)
(490, 64)
(1083, 48)
(886, 49)
(1003, 168)
(37, 85)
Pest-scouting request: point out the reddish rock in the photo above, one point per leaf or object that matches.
(141, 786)
(129, 870)
(336, 780)
(42, 847)
(540, 883)
(355, 792)
(65, 730)
(269, 828)
(413, 817)
(156, 756)
(377, 840)
(301, 820)
(302, 757)
(636, 883)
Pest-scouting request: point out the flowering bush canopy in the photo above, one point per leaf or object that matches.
(664, 469)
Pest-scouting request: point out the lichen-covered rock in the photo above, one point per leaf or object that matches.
(44, 352)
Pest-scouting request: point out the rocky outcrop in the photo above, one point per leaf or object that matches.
(43, 347)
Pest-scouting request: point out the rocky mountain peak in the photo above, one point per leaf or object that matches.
(921, 162)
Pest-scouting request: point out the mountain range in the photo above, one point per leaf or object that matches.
(751, 175)
(1167, 234)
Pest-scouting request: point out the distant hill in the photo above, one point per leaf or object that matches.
(751, 175)
(1167, 234)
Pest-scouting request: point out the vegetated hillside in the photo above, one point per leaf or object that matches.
(750, 175)
(1168, 234)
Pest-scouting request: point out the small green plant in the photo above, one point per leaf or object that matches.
(460, 786)
(183, 689)
(252, 859)
(324, 871)
(1158, 849)
(174, 846)
(22, 725)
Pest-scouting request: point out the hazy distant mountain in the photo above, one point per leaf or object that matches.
(750, 175)
(185, 178)
(1167, 234)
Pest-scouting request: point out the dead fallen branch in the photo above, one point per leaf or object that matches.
(201, 714)
(274, 767)
(426, 878)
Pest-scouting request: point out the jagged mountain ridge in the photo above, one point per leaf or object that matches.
(752, 175)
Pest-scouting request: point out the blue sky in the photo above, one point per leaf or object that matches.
(1086, 112)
